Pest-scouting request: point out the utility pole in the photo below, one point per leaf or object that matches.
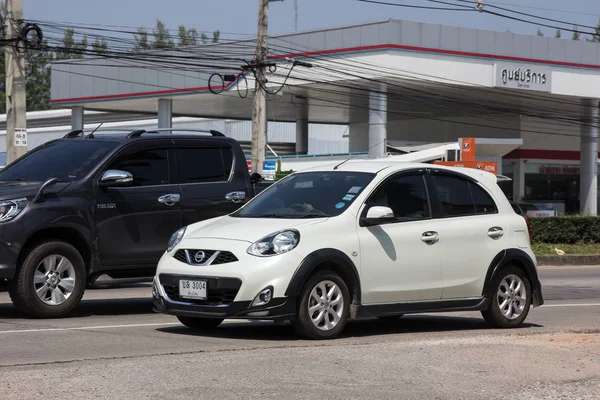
(16, 104)
(295, 15)
(259, 113)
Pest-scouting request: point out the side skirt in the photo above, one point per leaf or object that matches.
(416, 307)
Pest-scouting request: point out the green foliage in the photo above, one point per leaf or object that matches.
(279, 174)
(576, 34)
(162, 39)
(558, 34)
(568, 229)
(539, 32)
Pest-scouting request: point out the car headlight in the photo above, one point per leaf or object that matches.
(176, 238)
(11, 208)
(276, 243)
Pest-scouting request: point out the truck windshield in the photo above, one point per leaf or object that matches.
(66, 160)
(308, 195)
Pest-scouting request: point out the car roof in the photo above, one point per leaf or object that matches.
(387, 166)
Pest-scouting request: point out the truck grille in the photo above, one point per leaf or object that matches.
(204, 257)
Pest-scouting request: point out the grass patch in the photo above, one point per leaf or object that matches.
(547, 249)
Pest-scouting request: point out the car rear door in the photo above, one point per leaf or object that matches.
(471, 232)
(134, 223)
(210, 182)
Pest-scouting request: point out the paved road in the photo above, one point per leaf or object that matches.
(115, 347)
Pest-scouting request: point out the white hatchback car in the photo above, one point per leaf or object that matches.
(363, 239)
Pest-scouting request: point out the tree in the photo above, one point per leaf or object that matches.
(216, 36)
(576, 34)
(162, 40)
(141, 40)
(539, 32)
(558, 34)
(187, 37)
(71, 48)
(99, 46)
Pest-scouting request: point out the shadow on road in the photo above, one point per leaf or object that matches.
(373, 327)
(88, 308)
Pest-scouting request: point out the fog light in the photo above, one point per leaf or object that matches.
(263, 297)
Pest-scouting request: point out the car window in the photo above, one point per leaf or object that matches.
(66, 160)
(199, 165)
(405, 195)
(516, 208)
(148, 167)
(308, 195)
(483, 202)
(455, 196)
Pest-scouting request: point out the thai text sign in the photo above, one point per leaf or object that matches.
(519, 76)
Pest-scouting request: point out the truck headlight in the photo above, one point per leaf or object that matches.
(11, 208)
(276, 243)
(176, 238)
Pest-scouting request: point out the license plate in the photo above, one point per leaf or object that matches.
(192, 289)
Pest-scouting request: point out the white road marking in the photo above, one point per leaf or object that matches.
(572, 305)
(82, 328)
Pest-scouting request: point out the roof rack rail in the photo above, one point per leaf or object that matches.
(73, 134)
(140, 132)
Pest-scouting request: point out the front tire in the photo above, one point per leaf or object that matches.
(323, 308)
(200, 323)
(50, 282)
(511, 299)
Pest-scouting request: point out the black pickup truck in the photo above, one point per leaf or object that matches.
(98, 204)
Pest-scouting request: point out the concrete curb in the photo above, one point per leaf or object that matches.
(568, 260)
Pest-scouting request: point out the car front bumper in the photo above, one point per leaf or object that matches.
(277, 308)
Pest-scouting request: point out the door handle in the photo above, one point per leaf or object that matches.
(430, 237)
(169, 199)
(236, 197)
(495, 232)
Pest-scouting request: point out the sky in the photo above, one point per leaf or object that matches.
(234, 17)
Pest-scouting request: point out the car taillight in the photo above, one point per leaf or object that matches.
(528, 229)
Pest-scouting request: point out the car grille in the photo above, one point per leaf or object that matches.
(219, 291)
(223, 257)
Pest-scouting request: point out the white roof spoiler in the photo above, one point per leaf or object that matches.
(502, 178)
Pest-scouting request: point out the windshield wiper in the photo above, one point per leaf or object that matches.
(315, 216)
(267, 216)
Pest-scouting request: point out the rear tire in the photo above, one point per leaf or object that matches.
(200, 323)
(511, 299)
(50, 282)
(327, 295)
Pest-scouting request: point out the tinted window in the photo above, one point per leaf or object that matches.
(308, 195)
(149, 167)
(483, 202)
(205, 165)
(67, 160)
(455, 196)
(405, 195)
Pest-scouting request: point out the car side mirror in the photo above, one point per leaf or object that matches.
(116, 178)
(255, 177)
(377, 215)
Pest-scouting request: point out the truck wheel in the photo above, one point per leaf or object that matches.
(200, 323)
(50, 282)
(511, 299)
(323, 307)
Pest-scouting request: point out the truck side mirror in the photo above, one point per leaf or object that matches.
(116, 178)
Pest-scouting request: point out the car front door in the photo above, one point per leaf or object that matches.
(134, 223)
(471, 232)
(401, 260)
(210, 186)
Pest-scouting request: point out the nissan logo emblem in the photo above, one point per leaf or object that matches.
(199, 257)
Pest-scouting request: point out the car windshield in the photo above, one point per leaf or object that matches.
(308, 195)
(66, 160)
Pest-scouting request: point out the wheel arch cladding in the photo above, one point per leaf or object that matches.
(519, 259)
(68, 235)
(326, 259)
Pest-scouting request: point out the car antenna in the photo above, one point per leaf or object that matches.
(354, 155)
(91, 135)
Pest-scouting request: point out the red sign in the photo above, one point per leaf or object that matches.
(467, 148)
(487, 166)
(249, 164)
